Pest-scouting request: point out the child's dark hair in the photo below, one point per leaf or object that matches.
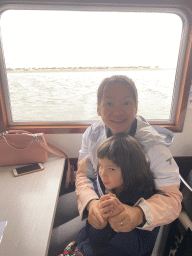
(127, 154)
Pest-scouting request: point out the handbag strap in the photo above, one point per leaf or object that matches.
(53, 149)
(57, 151)
(16, 132)
(16, 147)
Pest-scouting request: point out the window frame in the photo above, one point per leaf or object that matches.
(183, 73)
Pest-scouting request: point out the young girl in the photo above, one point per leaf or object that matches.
(124, 173)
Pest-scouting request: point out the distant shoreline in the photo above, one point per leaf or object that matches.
(80, 69)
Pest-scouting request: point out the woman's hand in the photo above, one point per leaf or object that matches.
(121, 217)
(94, 217)
(127, 220)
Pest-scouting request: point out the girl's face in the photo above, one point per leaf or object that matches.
(117, 108)
(111, 175)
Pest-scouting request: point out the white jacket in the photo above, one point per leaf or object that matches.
(159, 209)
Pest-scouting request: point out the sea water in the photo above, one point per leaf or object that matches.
(72, 96)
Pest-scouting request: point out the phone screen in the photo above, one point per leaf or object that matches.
(28, 168)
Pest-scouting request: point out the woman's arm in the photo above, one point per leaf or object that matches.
(159, 209)
(88, 201)
(84, 189)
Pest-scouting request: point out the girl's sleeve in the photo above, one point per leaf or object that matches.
(162, 209)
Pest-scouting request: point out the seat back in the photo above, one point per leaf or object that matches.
(159, 247)
(187, 195)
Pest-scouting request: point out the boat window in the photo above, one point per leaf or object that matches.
(54, 61)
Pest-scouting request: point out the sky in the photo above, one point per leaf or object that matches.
(89, 39)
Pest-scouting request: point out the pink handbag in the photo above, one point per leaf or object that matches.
(22, 147)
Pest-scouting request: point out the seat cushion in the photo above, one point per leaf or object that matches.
(187, 196)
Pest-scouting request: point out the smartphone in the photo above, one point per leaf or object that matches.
(28, 169)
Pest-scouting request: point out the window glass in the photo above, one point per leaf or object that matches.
(55, 61)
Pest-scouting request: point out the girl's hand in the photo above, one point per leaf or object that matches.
(105, 206)
(127, 220)
(110, 206)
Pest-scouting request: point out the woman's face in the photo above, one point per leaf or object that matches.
(117, 108)
(111, 175)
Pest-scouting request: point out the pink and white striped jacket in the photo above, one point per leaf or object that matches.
(159, 210)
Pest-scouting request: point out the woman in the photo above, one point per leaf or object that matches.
(117, 103)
